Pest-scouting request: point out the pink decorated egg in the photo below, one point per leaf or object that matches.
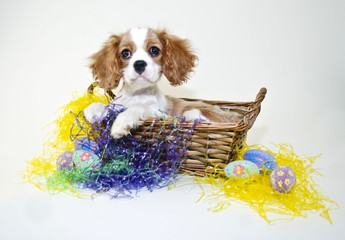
(283, 179)
(85, 159)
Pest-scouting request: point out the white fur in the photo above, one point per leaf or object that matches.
(194, 114)
(141, 105)
(152, 71)
(95, 112)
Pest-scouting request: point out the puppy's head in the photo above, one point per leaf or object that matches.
(140, 56)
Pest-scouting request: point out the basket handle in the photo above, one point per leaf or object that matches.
(254, 109)
(92, 87)
(261, 95)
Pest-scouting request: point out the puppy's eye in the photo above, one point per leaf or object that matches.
(126, 54)
(154, 51)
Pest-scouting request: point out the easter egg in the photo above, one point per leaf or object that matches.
(241, 169)
(269, 166)
(86, 144)
(264, 160)
(65, 160)
(85, 159)
(283, 179)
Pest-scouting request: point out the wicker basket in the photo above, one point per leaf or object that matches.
(214, 144)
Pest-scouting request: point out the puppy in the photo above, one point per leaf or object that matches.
(140, 57)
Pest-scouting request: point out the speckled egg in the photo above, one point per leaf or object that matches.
(264, 160)
(241, 169)
(85, 159)
(65, 160)
(86, 144)
(283, 179)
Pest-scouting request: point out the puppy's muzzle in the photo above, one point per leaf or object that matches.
(139, 66)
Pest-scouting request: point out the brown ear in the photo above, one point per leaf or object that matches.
(178, 58)
(106, 64)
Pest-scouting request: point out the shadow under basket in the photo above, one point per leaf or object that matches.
(213, 144)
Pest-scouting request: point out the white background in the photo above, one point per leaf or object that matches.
(293, 48)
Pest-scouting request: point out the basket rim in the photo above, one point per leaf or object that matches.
(201, 125)
(253, 110)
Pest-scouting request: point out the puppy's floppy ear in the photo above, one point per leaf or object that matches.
(106, 64)
(178, 58)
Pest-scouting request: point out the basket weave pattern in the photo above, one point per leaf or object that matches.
(213, 144)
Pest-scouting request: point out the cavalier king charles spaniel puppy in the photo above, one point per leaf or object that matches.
(140, 57)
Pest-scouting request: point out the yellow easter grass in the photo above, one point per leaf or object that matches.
(40, 168)
(307, 196)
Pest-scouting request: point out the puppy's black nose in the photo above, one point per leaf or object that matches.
(139, 66)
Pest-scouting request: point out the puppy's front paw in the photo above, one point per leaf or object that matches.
(120, 127)
(117, 132)
(95, 112)
(123, 124)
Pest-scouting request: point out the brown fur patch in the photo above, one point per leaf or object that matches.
(106, 65)
(126, 43)
(152, 40)
(178, 58)
(212, 112)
